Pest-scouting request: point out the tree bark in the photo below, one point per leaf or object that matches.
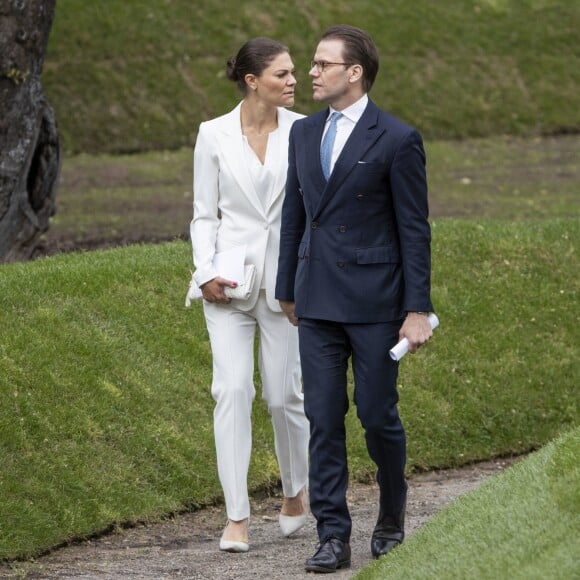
(29, 141)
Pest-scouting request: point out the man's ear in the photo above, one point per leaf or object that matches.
(356, 73)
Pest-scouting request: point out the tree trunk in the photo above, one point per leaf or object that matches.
(29, 142)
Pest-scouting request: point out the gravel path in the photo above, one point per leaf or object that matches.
(186, 546)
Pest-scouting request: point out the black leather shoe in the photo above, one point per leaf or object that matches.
(332, 555)
(388, 533)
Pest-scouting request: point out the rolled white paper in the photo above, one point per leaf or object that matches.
(402, 347)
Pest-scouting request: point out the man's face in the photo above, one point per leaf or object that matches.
(330, 81)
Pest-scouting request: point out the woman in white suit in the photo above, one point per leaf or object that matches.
(240, 163)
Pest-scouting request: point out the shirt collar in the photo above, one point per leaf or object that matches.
(355, 111)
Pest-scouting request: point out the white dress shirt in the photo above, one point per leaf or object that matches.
(263, 176)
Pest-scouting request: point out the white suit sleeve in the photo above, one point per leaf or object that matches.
(205, 222)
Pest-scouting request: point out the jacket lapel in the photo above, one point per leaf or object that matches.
(231, 143)
(363, 137)
(312, 138)
(280, 161)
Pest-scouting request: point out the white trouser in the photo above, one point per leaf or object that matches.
(231, 334)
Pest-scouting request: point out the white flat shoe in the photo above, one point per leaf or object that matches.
(291, 524)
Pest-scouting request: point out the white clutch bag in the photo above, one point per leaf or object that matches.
(241, 292)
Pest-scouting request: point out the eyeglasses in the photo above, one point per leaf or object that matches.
(322, 65)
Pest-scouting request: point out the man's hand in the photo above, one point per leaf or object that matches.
(416, 329)
(288, 309)
(213, 291)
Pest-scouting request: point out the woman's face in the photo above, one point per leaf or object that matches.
(275, 86)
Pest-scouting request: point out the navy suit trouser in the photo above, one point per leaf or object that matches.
(325, 348)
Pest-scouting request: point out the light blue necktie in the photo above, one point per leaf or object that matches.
(328, 144)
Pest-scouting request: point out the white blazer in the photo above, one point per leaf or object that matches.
(227, 211)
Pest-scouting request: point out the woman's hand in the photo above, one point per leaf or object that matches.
(213, 291)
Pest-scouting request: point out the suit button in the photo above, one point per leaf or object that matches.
(359, 196)
(340, 264)
(342, 229)
(314, 225)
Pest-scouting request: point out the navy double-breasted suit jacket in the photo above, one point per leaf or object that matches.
(356, 249)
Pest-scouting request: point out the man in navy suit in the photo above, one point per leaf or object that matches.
(354, 275)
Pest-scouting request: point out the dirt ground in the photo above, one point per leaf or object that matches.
(186, 545)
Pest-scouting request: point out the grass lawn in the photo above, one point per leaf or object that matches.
(104, 375)
(522, 524)
(136, 76)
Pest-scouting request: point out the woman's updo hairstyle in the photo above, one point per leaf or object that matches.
(252, 59)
